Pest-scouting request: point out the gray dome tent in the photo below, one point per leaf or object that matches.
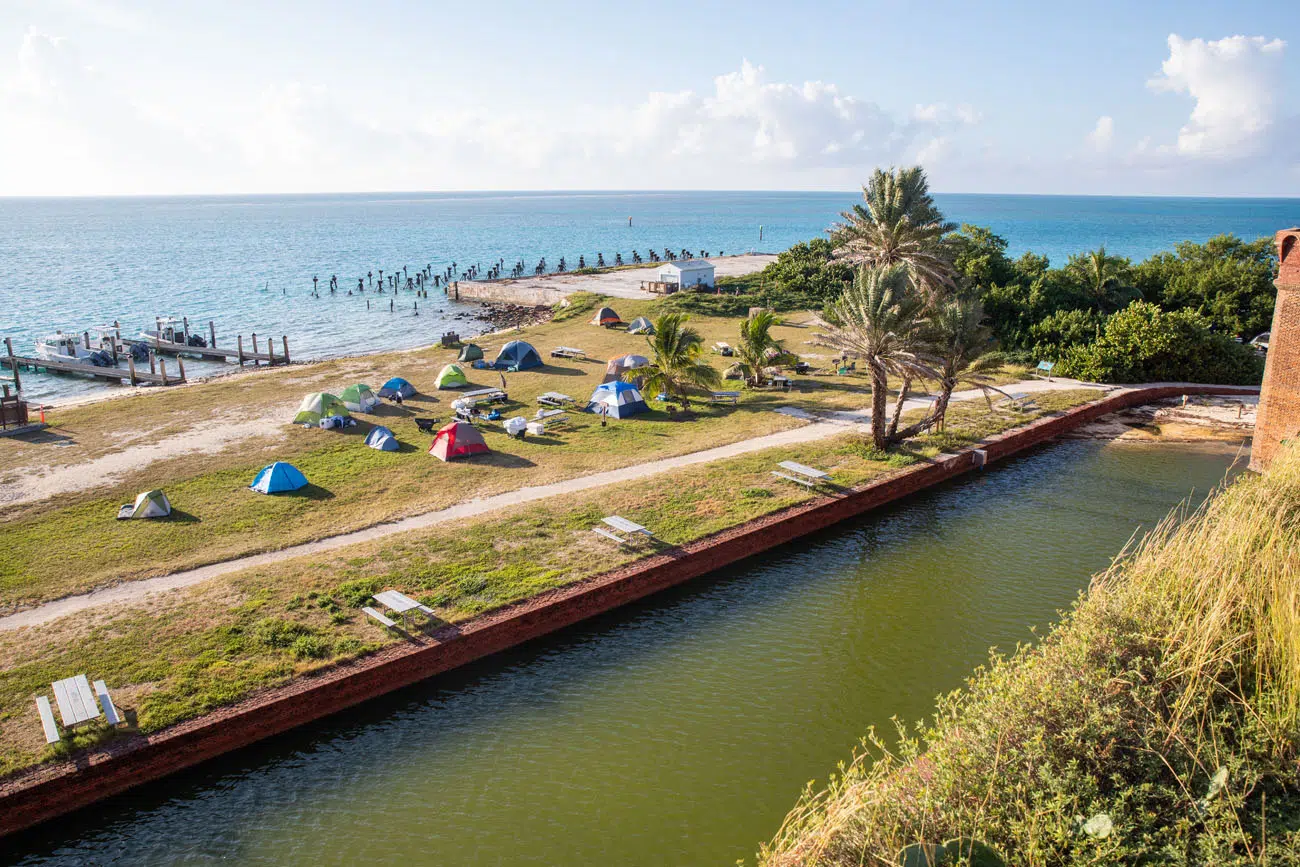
(641, 325)
(470, 352)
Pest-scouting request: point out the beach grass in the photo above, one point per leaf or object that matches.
(70, 542)
(194, 650)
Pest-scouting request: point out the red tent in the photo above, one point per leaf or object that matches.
(457, 440)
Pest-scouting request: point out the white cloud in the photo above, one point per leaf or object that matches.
(1234, 82)
(1103, 134)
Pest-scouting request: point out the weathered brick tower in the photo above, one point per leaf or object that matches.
(1278, 418)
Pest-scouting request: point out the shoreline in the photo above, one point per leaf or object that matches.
(46, 791)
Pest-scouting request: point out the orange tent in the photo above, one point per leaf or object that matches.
(457, 440)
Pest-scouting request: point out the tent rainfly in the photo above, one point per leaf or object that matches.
(518, 355)
(277, 478)
(616, 367)
(396, 386)
(469, 352)
(457, 440)
(620, 399)
(359, 398)
(451, 376)
(641, 325)
(382, 438)
(606, 317)
(150, 504)
(314, 407)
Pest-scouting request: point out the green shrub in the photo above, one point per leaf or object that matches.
(276, 632)
(357, 592)
(310, 647)
(756, 493)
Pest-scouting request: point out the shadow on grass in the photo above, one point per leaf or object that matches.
(567, 371)
(309, 492)
(179, 517)
(45, 437)
(500, 459)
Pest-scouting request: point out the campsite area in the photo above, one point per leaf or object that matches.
(174, 655)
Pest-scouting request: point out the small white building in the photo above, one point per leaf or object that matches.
(687, 273)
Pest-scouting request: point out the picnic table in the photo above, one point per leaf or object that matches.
(803, 475)
(76, 702)
(622, 525)
(484, 395)
(732, 397)
(553, 398)
(400, 603)
(567, 352)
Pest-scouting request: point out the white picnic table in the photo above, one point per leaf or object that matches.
(483, 395)
(76, 702)
(400, 603)
(724, 396)
(552, 398)
(803, 475)
(625, 525)
(567, 352)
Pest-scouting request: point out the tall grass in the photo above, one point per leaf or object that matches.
(1166, 706)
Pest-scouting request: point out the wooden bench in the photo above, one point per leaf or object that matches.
(47, 720)
(106, 702)
(376, 615)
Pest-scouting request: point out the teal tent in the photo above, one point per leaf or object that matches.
(277, 478)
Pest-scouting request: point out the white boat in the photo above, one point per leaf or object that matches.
(68, 347)
(172, 330)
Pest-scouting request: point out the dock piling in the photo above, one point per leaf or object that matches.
(153, 364)
(180, 363)
(285, 340)
(256, 362)
(130, 366)
(13, 366)
(241, 349)
(212, 334)
(162, 368)
(270, 353)
(185, 325)
(85, 339)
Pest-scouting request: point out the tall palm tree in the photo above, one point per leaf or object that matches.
(960, 343)
(757, 348)
(898, 223)
(879, 319)
(676, 367)
(1103, 279)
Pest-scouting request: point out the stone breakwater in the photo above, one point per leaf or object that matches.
(57, 788)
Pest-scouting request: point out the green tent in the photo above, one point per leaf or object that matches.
(150, 504)
(451, 377)
(359, 398)
(470, 352)
(314, 407)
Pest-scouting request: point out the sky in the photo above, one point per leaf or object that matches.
(156, 97)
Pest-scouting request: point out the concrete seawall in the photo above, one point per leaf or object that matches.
(511, 293)
(54, 789)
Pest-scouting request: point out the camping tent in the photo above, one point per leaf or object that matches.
(469, 352)
(616, 367)
(382, 438)
(359, 398)
(457, 440)
(150, 504)
(641, 325)
(736, 371)
(620, 399)
(451, 377)
(396, 386)
(607, 317)
(314, 407)
(519, 355)
(278, 477)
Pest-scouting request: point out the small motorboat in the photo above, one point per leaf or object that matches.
(67, 347)
(172, 330)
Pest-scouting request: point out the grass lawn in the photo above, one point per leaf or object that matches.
(72, 543)
(198, 649)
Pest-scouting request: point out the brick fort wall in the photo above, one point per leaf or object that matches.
(1278, 418)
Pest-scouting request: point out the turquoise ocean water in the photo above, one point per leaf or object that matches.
(247, 262)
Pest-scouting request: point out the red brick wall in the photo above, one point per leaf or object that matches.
(1279, 400)
(57, 788)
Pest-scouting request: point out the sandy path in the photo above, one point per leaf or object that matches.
(627, 283)
(108, 469)
(818, 428)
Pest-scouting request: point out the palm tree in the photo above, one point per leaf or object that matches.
(879, 319)
(898, 224)
(1103, 279)
(757, 348)
(676, 368)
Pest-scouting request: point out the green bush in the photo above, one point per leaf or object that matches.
(276, 632)
(310, 647)
(356, 593)
(1142, 343)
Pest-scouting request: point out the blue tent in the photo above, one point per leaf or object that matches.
(620, 399)
(395, 386)
(278, 477)
(518, 355)
(382, 438)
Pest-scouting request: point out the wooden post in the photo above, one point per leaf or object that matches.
(85, 339)
(185, 324)
(180, 362)
(153, 363)
(130, 366)
(270, 353)
(157, 324)
(285, 340)
(162, 369)
(241, 350)
(256, 361)
(13, 365)
(212, 334)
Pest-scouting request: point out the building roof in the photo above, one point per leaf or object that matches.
(689, 265)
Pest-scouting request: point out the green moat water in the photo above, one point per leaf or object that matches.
(680, 730)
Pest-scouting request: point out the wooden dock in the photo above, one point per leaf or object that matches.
(156, 375)
(237, 353)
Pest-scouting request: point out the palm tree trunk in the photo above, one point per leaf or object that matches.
(935, 418)
(903, 392)
(879, 398)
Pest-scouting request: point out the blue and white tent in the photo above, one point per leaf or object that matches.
(517, 355)
(382, 438)
(277, 478)
(620, 399)
(396, 386)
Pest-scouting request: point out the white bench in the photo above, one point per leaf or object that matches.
(601, 531)
(807, 483)
(567, 352)
(732, 397)
(106, 702)
(370, 612)
(803, 475)
(47, 720)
